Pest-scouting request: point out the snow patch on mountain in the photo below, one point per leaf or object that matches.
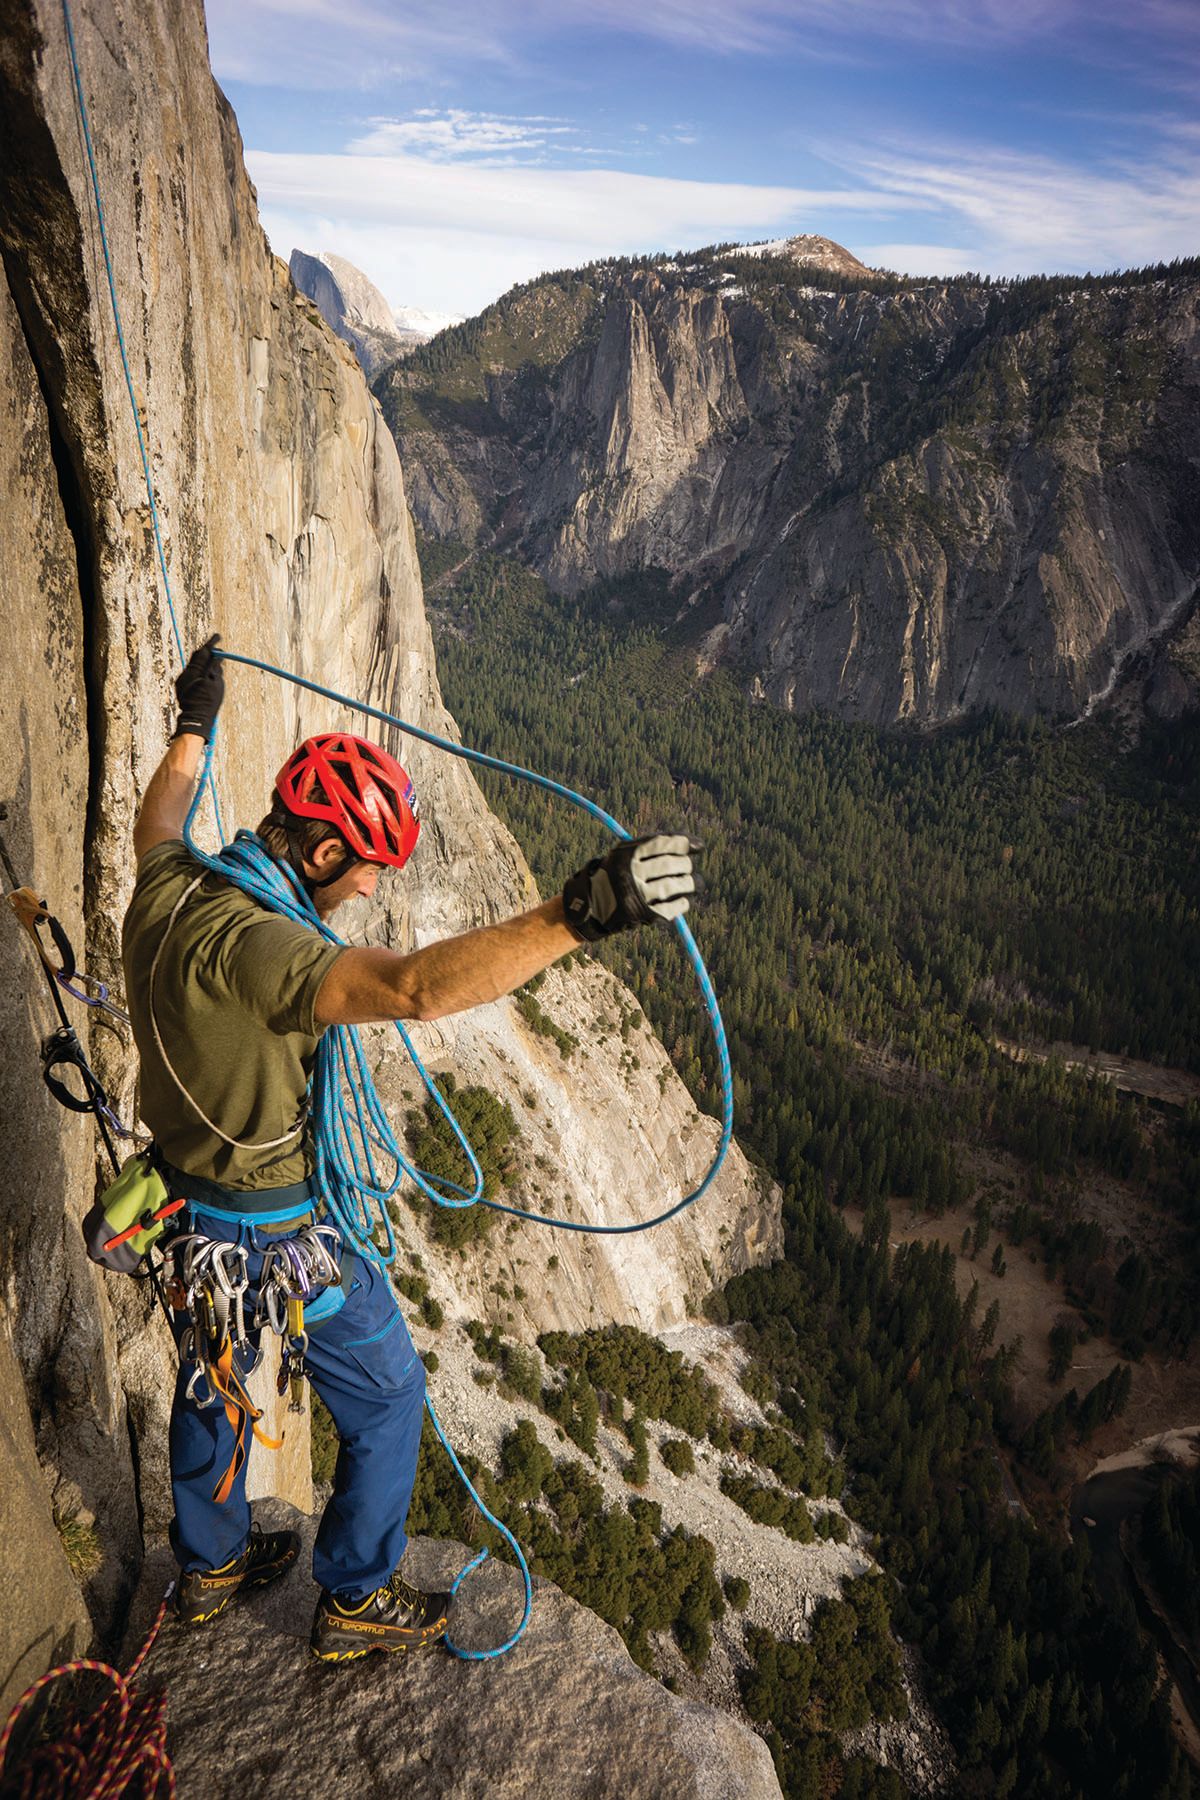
(416, 322)
(817, 252)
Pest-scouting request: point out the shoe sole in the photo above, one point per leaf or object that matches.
(432, 1636)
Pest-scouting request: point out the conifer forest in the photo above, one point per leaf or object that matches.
(885, 917)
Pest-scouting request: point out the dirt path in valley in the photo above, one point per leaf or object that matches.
(1173, 1087)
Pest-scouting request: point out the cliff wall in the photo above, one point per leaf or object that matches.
(286, 528)
(902, 502)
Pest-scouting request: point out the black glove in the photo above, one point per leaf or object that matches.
(642, 881)
(200, 690)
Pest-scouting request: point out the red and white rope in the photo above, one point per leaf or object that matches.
(117, 1748)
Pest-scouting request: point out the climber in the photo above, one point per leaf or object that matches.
(228, 1001)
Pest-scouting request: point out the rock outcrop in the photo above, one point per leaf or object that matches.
(286, 528)
(354, 307)
(902, 502)
(809, 251)
(566, 1712)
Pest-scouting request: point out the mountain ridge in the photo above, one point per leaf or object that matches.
(910, 499)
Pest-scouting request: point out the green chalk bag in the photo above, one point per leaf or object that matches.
(129, 1216)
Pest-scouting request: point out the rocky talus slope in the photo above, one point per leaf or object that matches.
(286, 528)
(895, 500)
(786, 1580)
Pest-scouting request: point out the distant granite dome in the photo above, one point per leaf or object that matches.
(351, 304)
(816, 252)
(364, 302)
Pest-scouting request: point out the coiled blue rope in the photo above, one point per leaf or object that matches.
(350, 1128)
(680, 927)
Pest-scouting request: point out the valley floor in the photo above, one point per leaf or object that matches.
(1166, 1390)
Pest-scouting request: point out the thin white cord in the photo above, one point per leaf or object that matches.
(237, 1143)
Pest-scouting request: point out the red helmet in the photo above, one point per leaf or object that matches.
(368, 797)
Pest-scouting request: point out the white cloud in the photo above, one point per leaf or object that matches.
(457, 134)
(451, 236)
(1018, 214)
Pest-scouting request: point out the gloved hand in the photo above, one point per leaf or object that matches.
(643, 880)
(200, 690)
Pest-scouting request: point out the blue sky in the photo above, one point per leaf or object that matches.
(450, 151)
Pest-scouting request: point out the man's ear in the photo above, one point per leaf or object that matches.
(329, 851)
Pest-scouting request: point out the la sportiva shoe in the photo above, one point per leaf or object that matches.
(396, 1617)
(203, 1593)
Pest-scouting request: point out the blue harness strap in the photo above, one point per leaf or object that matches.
(266, 1206)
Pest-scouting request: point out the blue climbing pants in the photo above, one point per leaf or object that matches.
(362, 1363)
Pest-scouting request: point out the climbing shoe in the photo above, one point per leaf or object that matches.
(203, 1593)
(396, 1617)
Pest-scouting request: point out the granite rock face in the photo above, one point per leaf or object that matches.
(48, 1621)
(565, 1715)
(900, 502)
(286, 528)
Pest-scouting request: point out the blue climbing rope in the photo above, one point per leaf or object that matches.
(351, 1134)
(143, 451)
(514, 770)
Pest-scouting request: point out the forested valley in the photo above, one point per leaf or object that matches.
(899, 904)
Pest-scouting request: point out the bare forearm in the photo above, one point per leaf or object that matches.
(447, 977)
(169, 794)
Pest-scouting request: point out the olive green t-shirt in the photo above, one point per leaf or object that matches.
(234, 999)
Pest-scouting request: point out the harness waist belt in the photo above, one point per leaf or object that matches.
(263, 1204)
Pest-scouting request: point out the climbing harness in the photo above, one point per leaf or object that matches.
(101, 1752)
(350, 1132)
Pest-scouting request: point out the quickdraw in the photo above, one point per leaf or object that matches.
(293, 1270)
(33, 914)
(209, 1280)
(61, 1048)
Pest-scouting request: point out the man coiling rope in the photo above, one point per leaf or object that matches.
(230, 998)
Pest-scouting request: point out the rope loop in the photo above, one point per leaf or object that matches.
(105, 1752)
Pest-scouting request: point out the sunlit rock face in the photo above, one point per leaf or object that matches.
(900, 504)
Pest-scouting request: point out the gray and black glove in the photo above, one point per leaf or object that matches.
(200, 690)
(642, 881)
